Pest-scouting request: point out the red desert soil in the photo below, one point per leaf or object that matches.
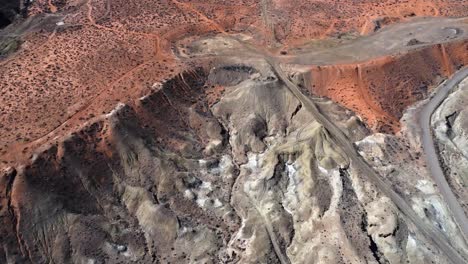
(381, 89)
(110, 51)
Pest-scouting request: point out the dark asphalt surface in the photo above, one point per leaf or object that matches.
(432, 158)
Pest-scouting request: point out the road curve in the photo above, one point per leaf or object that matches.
(432, 158)
(428, 230)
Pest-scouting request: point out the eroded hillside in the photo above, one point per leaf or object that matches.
(187, 165)
(230, 132)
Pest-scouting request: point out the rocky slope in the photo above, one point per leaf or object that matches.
(225, 159)
(161, 132)
(381, 89)
(103, 51)
(449, 122)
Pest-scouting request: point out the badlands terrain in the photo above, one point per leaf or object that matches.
(241, 131)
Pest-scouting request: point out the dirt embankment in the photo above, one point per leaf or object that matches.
(78, 188)
(110, 51)
(379, 90)
(186, 165)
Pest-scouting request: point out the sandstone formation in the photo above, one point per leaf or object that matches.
(124, 47)
(259, 183)
(169, 131)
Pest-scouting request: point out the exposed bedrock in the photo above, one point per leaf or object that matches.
(450, 123)
(214, 166)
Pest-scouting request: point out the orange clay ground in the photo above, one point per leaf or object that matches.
(110, 51)
(381, 89)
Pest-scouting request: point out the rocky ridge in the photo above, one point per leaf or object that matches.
(259, 183)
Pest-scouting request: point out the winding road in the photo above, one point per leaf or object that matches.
(430, 32)
(429, 231)
(430, 152)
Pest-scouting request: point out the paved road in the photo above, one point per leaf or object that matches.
(432, 32)
(428, 230)
(430, 151)
(391, 40)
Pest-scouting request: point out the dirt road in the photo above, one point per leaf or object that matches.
(429, 231)
(391, 40)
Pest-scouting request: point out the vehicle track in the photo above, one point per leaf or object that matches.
(342, 141)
